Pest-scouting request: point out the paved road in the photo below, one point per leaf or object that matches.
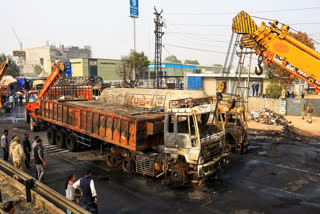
(285, 180)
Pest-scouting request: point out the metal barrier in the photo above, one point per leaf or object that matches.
(43, 189)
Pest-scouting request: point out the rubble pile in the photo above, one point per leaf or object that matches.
(80, 81)
(266, 116)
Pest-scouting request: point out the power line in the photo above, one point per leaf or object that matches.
(228, 13)
(197, 49)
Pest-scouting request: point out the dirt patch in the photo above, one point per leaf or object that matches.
(9, 193)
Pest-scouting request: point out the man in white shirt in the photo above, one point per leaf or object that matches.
(89, 195)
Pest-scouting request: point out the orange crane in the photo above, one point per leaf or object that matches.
(4, 67)
(32, 110)
(273, 44)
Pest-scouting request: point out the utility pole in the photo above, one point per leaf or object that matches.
(158, 45)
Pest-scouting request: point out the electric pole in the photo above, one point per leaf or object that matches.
(158, 45)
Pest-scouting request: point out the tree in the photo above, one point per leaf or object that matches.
(192, 62)
(172, 59)
(274, 90)
(282, 74)
(13, 68)
(137, 62)
(37, 69)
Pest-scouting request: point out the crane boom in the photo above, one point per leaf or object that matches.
(57, 71)
(273, 44)
(32, 110)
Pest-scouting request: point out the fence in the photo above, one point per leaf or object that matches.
(44, 190)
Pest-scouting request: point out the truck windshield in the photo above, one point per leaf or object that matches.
(206, 127)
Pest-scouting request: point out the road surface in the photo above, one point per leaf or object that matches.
(278, 175)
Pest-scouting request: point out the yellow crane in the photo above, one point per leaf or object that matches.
(273, 44)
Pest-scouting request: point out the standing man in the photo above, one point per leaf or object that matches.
(39, 159)
(302, 95)
(27, 149)
(11, 100)
(257, 89)
(310, 111)
(303, 109)
(89, 198)
(34, 145)
(5, 145)
(16, 153)
(253, 88)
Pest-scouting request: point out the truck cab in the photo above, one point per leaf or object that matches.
(194, 143)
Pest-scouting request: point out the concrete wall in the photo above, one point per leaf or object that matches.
(209, 86)
(257, 103)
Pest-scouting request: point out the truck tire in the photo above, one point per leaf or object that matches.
(128, 165)
(33, 128)
(51, 135)
(71, 143)
(27, 116)
(178, 175)
(110, 160)
(61, 138)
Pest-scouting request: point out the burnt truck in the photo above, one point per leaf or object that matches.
(183, 142)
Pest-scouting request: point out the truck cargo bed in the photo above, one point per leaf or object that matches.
(134, 129)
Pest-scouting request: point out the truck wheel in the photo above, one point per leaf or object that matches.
(178, 175)
(27, 116)
(128, 165)
(51, 135)
(33, 128)
(61, 138)
(110, 160)
(71, 143)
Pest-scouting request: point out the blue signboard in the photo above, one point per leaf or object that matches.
(134, 8)
(68, 71)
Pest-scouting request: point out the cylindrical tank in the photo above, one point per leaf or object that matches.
(152, 99)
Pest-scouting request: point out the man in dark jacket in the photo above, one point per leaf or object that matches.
(89, 195)
(27, 150)
(5, 145)
(39, 159)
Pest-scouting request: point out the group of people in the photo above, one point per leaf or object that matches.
(309, 112)
(255, 89)
(83, 191)
(21, 153)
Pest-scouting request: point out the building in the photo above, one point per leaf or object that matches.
(108, 69)
(208, 82)
(44, 56)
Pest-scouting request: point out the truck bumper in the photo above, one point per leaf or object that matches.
(211, 167)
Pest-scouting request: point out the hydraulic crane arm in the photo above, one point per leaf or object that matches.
(273, 44)
(4, 67)
(56, 73)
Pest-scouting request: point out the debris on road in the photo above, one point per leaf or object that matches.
(266, 116)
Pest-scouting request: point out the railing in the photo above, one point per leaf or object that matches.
(41, 188)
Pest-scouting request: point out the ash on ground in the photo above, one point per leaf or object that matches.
(266, 116)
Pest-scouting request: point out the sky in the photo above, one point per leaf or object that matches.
(202, 27)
